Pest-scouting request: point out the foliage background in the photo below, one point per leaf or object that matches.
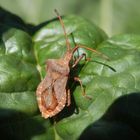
(113, 16)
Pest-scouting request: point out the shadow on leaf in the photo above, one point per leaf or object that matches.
(18, 126)
(121, 121)
(9, 20)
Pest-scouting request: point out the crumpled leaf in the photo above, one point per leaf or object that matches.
(19, 79)
(18, 73)
(103, 84)
(50, 43)
(104, 81)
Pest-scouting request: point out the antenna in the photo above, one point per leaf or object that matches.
(62, 24)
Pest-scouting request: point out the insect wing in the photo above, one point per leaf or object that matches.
(60, 94)
(60, 87)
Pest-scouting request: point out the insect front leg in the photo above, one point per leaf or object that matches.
(79, 58)
(82, 88)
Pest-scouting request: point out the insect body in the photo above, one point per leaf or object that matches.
(52, 93)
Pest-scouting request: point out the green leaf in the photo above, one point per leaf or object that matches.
(103, 84)
(50, 43)
(104, 81)
(18, 81)
(22, 62)
(18, 73)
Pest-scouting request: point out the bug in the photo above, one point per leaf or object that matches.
(52, 94)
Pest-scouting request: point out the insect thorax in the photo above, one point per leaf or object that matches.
(57, 66)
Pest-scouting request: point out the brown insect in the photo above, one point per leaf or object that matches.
(52, 94)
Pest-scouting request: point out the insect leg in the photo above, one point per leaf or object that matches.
(90, 49)
(83, 90)
(79, 58)
(68, 98)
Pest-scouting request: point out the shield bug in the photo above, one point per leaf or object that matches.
(52, 94)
